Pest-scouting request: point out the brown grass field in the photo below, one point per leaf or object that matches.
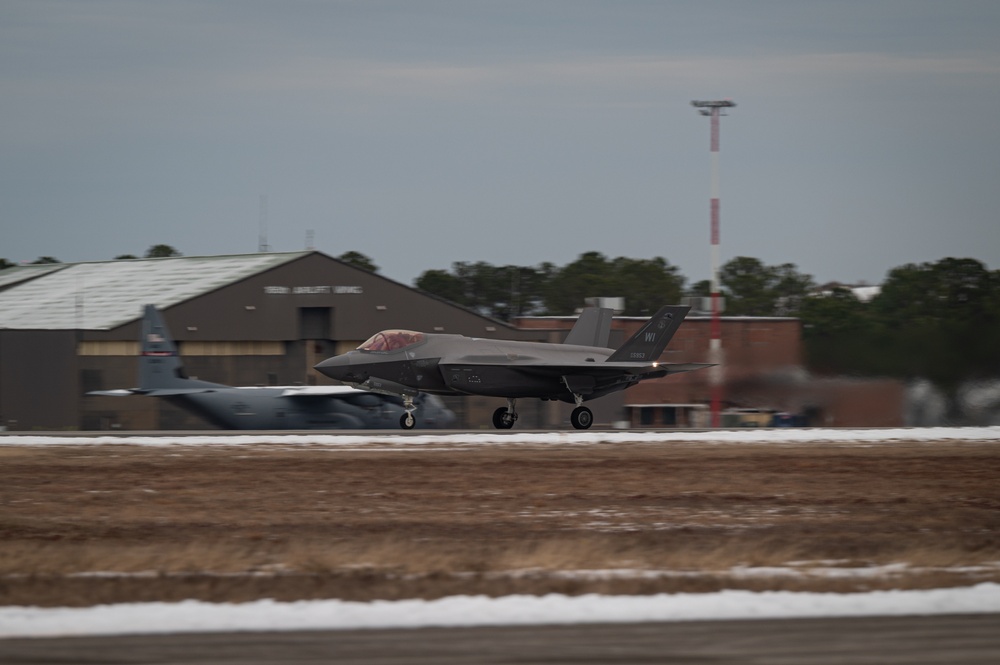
(85, 524)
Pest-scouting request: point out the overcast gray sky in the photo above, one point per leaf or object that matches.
(514, 132)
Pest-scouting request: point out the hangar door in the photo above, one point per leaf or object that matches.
(314, 322)
(314, 335)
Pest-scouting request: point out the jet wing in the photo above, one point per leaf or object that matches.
(535, 365)
(602, 368)
(582, 378)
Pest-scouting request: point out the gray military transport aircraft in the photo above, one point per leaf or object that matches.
(161, 374)
(404, 362)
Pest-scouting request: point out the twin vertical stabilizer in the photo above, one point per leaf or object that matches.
(593, 328)
(647, 344)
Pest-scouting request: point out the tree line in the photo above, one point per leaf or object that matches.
(507, 292)
(750, 287)
(937, 320)
(161, 251)
(154, 252)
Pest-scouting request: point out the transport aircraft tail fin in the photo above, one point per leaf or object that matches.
(648, 343)
(161, 371)
(593, 328)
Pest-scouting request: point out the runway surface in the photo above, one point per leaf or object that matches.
(955, 640)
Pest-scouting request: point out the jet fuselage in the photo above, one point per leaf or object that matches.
(405, 363)
(457, 365)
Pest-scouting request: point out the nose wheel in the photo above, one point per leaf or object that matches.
(407, 420)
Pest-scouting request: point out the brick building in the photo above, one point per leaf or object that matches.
(762, 376)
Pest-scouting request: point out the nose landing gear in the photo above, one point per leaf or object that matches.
(407, 421)
(504, 417)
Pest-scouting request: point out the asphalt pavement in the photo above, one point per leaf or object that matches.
(938, 640)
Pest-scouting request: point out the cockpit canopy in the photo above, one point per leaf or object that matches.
(391, 340)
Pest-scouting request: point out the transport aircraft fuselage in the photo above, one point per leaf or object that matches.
(161, 374)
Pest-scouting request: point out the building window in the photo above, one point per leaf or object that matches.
(668, 416)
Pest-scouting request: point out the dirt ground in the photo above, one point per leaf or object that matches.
(84, 524)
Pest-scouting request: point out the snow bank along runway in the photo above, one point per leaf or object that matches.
(467, 611)
(800, 436)
(137, 534)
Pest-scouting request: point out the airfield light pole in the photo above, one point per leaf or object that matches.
(715, 109)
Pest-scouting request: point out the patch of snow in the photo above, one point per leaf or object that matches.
(797, 436)
(195, 616)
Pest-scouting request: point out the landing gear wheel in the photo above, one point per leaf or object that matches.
(503, 419)
(407, 421)
(582, 418)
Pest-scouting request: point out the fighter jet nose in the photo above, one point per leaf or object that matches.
(337, 367)
(342, 368)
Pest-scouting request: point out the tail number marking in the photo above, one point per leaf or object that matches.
(651, 337)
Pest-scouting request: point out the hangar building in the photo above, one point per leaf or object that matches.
(255, 319)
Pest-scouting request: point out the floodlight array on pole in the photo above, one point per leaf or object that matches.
(715, 109)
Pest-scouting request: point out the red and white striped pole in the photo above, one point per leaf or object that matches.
(713, 109)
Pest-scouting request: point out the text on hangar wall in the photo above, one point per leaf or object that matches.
(297, 290)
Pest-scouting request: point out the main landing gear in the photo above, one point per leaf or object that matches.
(581, 418)
(407, 421)
(506, 416)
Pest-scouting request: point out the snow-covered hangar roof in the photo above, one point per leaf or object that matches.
(104, 295)
(12, 276)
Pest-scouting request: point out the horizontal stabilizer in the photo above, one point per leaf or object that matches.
(167, 392)
(677, 368)
(121, 392)
(153, 392)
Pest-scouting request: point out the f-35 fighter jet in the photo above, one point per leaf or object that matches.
(404, 362)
